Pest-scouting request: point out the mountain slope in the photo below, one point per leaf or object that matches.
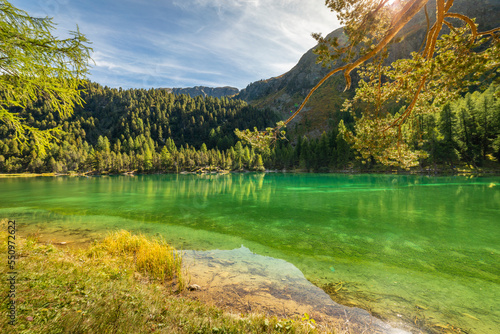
(284, 92)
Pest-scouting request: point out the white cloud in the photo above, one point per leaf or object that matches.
(258, 36)
(190, 42)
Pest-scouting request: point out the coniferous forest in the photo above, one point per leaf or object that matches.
(148, 131)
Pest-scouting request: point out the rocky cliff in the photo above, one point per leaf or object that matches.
(284, 92)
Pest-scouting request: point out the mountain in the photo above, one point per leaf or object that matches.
(204, 91)
(283, 93)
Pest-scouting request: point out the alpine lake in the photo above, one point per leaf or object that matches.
(417, 249)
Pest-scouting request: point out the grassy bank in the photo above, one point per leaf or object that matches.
(123, 284)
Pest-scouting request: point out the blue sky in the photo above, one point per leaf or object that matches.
(186, 43)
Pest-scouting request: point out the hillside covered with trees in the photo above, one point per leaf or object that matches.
(465, 133)
(63, 123)
(155, 131)
(136, 130)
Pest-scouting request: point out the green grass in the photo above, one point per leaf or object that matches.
(123, 284)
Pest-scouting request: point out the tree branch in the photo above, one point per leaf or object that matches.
(467, 20)
(404, 16)
(436, 28)
(489, 32)
(400, 120)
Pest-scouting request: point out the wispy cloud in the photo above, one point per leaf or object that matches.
(190, 42)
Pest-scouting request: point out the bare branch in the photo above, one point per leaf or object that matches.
(313, 89)
(428, 21)
(404, 16)
(448, 5)
(489, 32)
(436, 28)
(467, 20)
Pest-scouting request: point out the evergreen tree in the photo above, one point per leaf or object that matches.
(343, 149)
(448, 145)
(258, 164)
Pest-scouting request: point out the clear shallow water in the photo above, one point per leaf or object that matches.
(418, 249)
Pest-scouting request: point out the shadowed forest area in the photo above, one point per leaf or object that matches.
(155, 131)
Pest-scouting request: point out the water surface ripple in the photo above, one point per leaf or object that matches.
(418, 249)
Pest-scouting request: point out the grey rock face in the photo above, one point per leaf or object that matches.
(303, 76)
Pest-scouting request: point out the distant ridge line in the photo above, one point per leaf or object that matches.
(204, 91)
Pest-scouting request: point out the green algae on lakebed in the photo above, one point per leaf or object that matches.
(402, 247)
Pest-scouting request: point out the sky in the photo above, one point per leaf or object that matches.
(186, 43)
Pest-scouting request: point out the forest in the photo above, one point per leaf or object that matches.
(151, 131)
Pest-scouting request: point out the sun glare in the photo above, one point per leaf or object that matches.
(393, 4)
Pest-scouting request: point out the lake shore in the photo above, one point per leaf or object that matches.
(221, 299)
(88, 215)
(88, 290)
(465, 170)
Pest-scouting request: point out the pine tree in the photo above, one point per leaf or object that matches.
(147, 159)
(446, 126)
(343, 152)
(258, 165)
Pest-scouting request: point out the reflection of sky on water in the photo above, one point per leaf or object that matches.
(436, 237)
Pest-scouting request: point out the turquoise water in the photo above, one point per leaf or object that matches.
(424, 250)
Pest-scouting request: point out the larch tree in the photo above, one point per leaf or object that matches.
(35, 64)
(455, 55)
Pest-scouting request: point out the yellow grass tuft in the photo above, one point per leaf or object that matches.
(154, 257)
(96, 290)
